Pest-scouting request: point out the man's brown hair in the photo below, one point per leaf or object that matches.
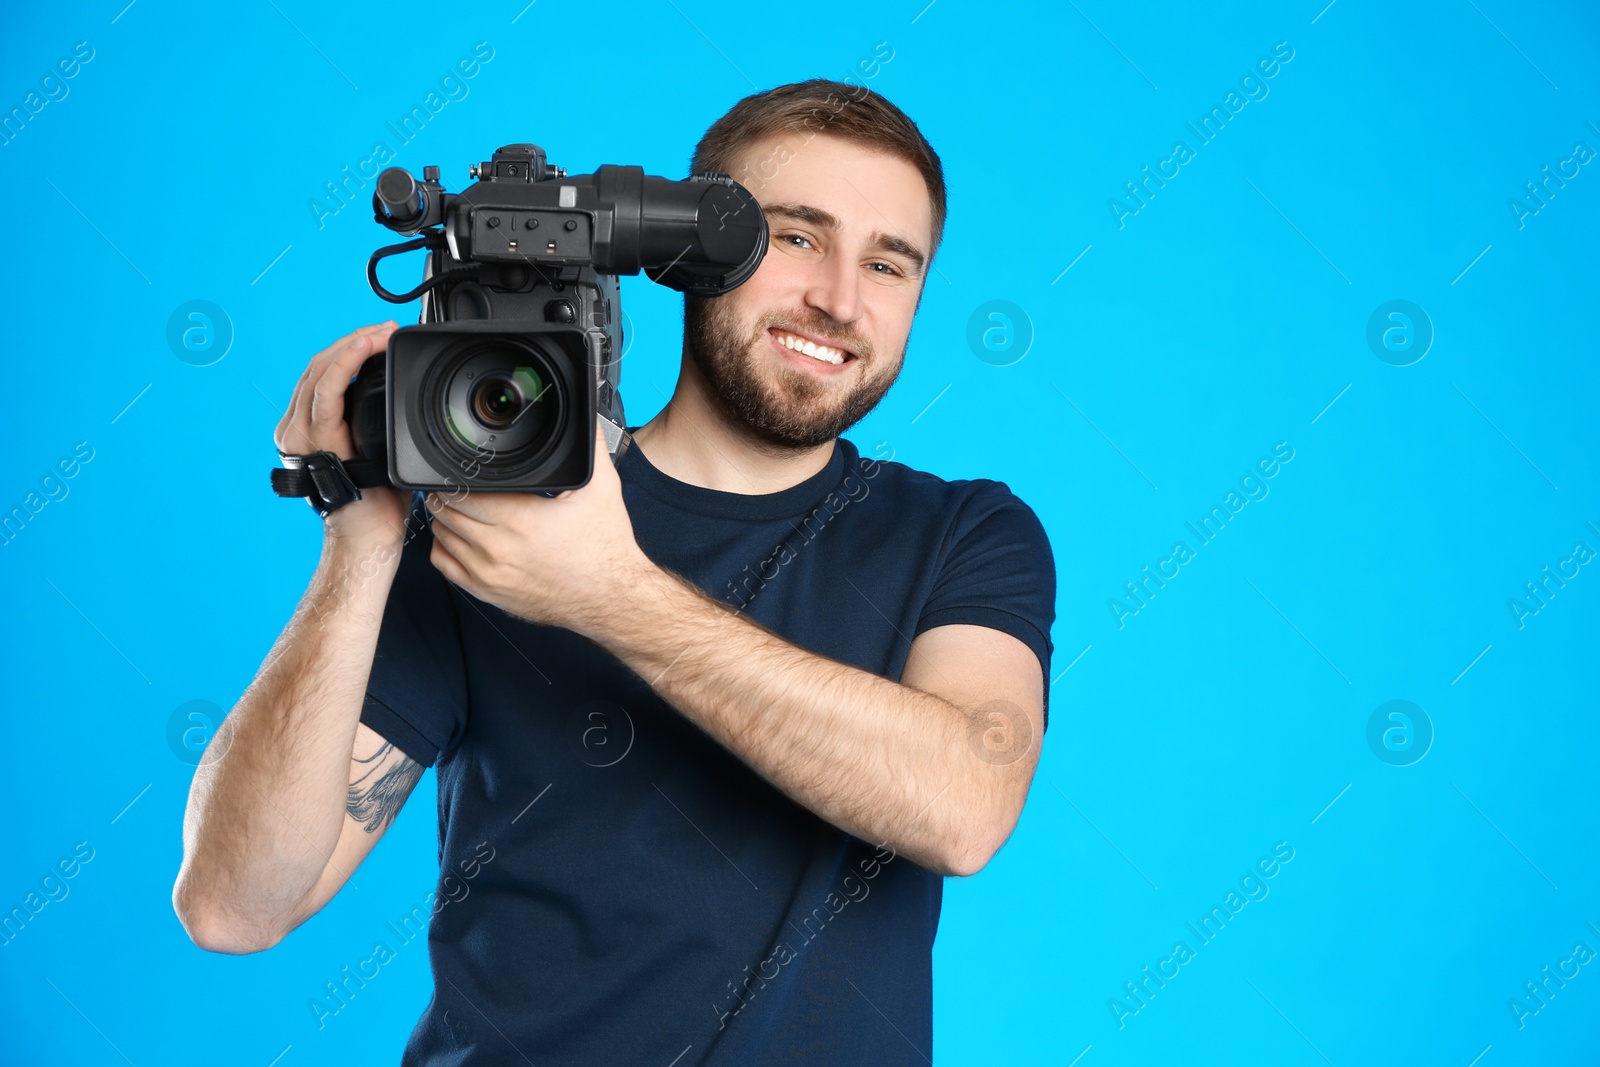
(805, 109)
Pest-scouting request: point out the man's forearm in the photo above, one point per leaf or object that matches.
(883, 761)
(267, 803)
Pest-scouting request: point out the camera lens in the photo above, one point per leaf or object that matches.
(497, 401)
(497, 407)
(498, 404)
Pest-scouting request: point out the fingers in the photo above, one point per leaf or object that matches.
(450, 553)
(315, 419)
(445, 563)
(327, 395)
(291, 435)
(446, 535)
(313, 368)
(460, 520)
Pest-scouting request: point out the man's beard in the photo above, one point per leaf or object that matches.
(803, 412)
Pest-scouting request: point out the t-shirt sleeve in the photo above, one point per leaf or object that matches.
(417, 691)
(999, 572)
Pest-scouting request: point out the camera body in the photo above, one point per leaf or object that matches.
(517, 353)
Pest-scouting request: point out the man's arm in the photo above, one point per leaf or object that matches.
(294, 790)
(937, 765)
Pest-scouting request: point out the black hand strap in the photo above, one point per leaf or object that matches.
(327, 481)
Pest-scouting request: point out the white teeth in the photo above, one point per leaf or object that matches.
(812, 349)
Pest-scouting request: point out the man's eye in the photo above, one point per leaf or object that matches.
(890, 270)
(792, 237)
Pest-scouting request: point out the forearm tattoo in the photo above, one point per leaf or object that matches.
(375, 798)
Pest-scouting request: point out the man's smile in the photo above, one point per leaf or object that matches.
(810, 351)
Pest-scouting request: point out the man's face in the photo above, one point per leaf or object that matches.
(850, 236)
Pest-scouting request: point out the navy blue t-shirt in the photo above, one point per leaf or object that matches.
(615, 886)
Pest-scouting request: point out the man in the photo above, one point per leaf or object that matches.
(710, 730)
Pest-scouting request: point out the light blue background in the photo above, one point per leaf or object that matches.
(1223, 317)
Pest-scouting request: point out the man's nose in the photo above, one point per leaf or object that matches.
(836, 289)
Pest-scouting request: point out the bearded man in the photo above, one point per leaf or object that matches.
(710, 730)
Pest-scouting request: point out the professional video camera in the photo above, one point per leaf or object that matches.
(519, 345)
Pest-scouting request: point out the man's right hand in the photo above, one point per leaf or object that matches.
(315, 423)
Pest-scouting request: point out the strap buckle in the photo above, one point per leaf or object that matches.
(320, 477)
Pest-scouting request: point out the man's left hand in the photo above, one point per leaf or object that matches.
(569, 560)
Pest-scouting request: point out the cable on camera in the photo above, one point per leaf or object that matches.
(429, 241)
